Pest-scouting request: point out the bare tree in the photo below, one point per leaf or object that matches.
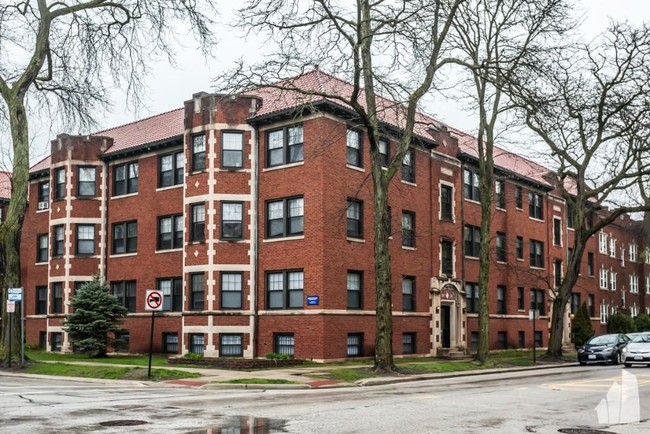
(494, 39)
(591, 108)
(391, 48)
(63, 57)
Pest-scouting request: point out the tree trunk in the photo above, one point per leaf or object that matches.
(487, 183)
(10, 229)
(384, 323)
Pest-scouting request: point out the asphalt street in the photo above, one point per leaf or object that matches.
(611, 399)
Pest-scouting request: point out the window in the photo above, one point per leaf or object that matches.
(56, 340)
(170, 169)
(125, 237)
(232, 220)
(634, 249)
(634, 283)
(602, 242)
(539, 341)
(355, 289)
(232, 150)
(125, 179)
(575, 302)
(590, 263)
(121, 343)
(520, 247)
(408, 294)
(408, 166)
(447, 258)
(520, 298)
(535, 206)
(604, 313)
(354, 148)
(198, 153)
(355, 219)
(170, 232)
(408, 343)
(521, 337)
(501, 299)
(41, 300)
(622, 256)
(473, 341)
(284, 290)
(125, 293)
(519, 203)
(232, 289)
(537, 301)
(59, 183)
(590, 305)
(472, 241)
(501, 247)
(57, 297)
(197, 343)
(604, 278)
(85, 239)
(471, 297)
(42, 340)
(285, 217)
(384, 152)
(43, 194)
(170, 343)
(499, 194)
(647, 284)
(569, 254)
(284, 146)
(197, 291)
(42, 247)
(284, 343)
(408, 229)
(86, 186)
(612, 247)
(557, 232)
(172, 289)
(231, 345)
(570, 216)
(612, 280)
(471, 185)
(58, 241)
(355, 344)
(446, 202)
(502, 339)
(557, 272)
(536, 254)
(197, 228)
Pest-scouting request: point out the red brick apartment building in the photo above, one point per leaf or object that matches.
(253, 215)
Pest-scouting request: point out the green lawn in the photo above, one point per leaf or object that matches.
(258, 381)
(42, 356)
(107, 372)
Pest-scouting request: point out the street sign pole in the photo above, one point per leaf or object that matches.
(22, 333)
(11, 320)
(153, 316)
(534, 340)
(153, 302)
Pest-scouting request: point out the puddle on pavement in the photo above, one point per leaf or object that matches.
(244, 425)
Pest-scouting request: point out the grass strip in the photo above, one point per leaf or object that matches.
(107, 372)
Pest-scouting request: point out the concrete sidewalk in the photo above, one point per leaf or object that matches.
(301, 377)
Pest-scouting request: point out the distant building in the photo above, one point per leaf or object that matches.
(254, 217)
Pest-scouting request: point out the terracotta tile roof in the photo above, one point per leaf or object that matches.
(41, 165)
(276, 100)
(5, 185)
(149, 130)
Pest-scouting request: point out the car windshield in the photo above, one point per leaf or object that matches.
(603, 340)
(642, 338)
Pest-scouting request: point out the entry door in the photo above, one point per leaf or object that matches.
(445, 324)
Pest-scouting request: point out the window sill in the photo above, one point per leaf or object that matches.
(283, 166)
(412, 184)
(502, 262)
(357, 168)
(571, 229)
(471, 201)
(85, 255)
(178, 249)
(355, 240)
(121, 196)
(448, 220)
(412, 249)
(274, 240)
(198, 171)
(537, 268)
(41, 263)
(123, 255)
(520, 259)
(519, 209)
(231, 240)
(87, 197)
(197, 242)
(43, 211)
(535, 219)
(500, 209)
(169, 187)
(474, 258)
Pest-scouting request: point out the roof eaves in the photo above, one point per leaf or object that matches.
(464, 156)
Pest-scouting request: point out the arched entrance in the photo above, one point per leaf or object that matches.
(448, 317)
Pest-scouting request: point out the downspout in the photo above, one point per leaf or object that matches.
(254, 236)
(105, 226)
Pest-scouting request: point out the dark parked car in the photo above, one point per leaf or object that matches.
(602, 349)
(637, 351)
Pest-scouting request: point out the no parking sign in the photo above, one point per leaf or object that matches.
(153, 300)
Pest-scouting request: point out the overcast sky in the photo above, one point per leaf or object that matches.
(169, 87)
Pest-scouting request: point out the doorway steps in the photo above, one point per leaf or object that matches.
(454, 354)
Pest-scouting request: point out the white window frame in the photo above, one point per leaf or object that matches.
(612, 247)
(604, 313)
(453, 201)
(602, 243)
(634, 284)
(604, 278)
(634, 250)
(612, 280)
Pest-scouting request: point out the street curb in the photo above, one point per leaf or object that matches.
(473, 373)
(255, 386)
(77, 379)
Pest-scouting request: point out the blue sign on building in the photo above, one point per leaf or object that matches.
(313, 300)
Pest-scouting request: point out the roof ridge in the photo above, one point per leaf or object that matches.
(136, 121)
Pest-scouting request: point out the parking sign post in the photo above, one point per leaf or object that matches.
(154, 303)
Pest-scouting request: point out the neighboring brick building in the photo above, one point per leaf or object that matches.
(254, 216)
